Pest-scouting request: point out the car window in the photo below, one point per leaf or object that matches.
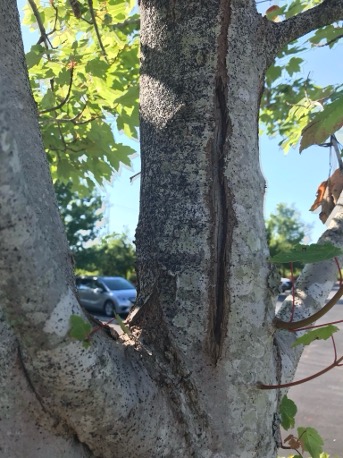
(115, 284)
(82, 287)
(83, 283)
(98, 284)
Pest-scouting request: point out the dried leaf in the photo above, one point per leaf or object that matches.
(319, 196)
(294, 442)
(327, 195)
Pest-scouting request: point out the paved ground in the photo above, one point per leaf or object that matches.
(320, 401)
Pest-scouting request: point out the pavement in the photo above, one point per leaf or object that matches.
(320, 401)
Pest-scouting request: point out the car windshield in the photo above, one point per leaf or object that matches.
(115, 284)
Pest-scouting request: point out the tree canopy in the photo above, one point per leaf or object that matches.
(84, 77)
(86, 85)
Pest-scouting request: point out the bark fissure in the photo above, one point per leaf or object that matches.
(220, 198)
(222, 217)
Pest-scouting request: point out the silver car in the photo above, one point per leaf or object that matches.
(106, 295)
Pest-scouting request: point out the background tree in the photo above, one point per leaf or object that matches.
(188, 374)
(80, 215)
(284, 230)
(109, 255)
(113, 255)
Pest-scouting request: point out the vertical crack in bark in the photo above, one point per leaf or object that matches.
(220, 195)
(221, 214)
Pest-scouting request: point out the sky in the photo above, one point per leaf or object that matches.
(292, 179)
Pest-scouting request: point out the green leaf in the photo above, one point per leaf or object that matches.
(323, 333)
(79, 329)
(130, 98)
(287, 410)
(324, 124)
(307, 253)
(311, 440)
(48, 101)
(293, 65)
(328, 34)
(274, 72)
(33, 57)
(97, 67)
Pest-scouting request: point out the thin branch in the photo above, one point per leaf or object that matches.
(330, 42)
(65, 100)
(55, 23)
(80, 123)
(334, 348)
(43, 35)
(311, 319)
(91, 9)
(326, 13)
(336, 363)
(316, 326)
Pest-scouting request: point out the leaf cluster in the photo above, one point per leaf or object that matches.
(307, 439)
(84, 77)
(294, 107)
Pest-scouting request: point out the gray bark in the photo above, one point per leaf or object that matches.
(186, 382)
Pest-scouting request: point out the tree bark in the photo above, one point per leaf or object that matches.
(202, 253)
(186, 381)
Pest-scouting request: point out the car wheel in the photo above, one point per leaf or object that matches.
(108, 308)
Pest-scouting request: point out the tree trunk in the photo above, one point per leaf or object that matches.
(202, 253)
(185, 381)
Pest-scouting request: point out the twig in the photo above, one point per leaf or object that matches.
(328, 43)
(43, 35)
(65, 100)
(336, 363)
(91, 9)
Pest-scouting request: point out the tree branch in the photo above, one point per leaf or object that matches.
(326, 13)
(312, 289)
(91, 9)
(43, 35)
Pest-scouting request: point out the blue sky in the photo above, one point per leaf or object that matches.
(292, 178)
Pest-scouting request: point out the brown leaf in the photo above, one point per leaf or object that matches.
(328, 193)
(319, 196)
(294, 442)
